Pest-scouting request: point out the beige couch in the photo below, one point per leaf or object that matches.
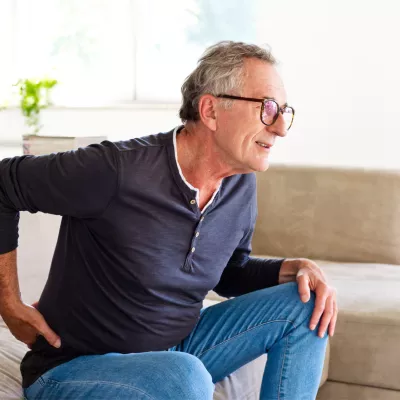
(348, 219)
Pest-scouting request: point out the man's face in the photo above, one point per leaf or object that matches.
(239, 128)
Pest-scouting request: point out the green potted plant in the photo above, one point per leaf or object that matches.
(34, 97)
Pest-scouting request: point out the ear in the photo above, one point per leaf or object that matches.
(208, 111)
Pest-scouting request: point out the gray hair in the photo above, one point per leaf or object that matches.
(219, 71)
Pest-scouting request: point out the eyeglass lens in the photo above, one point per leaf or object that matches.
(270, 111)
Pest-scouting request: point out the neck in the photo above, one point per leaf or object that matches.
(200, 159)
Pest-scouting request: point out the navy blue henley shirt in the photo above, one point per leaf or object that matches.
(135, 255)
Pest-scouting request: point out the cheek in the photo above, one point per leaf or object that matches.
(240, 129)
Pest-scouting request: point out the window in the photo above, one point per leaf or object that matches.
(86, 45)
(6, 49)
(107, 51)
(170, 41)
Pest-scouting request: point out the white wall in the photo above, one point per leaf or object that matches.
(340, 61)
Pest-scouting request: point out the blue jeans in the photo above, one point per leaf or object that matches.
(227, 336)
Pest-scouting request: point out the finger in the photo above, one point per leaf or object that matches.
(320, 300)
(44, 330)
(326, 317)
(332, 325)
(303, 285)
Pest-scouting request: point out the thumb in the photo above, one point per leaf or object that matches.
(303, 285)
(44, 330)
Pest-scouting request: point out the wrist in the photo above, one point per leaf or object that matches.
(289, 269)
(9, 304)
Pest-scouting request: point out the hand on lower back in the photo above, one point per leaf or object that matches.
(26, 323)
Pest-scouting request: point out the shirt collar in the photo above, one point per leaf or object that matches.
(191, 187)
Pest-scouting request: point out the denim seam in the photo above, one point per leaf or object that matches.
(283, 363)
(53, 381)
(284, 354)
(41, 381)
(247, 330)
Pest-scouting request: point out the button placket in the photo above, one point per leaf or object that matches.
(196, 235)
(194, 205)
(189, 257)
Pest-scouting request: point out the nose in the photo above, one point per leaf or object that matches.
(279, 127)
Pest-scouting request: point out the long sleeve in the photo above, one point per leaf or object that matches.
(245, 274)
(77, 183)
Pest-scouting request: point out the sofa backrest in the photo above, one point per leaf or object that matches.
(329, 213)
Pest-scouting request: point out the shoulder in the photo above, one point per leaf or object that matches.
(145, 150)
(242, 183)
(240, 190)
(144, 143)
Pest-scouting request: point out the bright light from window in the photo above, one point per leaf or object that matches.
(86, 45)
(107, 51)
(171, 35)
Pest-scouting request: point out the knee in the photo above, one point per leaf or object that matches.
(190, 378)
(302, 312)
(297, 309)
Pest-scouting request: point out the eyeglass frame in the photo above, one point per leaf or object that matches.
(262, 101)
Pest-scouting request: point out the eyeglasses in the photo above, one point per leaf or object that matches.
(269, 110)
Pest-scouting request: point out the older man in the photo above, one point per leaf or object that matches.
(149, 226)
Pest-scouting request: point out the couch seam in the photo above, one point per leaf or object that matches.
(368, 323)
(361, 385)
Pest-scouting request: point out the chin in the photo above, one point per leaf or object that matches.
(259, 167)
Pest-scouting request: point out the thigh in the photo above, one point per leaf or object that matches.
(139, 376)
(234, 332)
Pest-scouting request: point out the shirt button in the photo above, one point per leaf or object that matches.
(197, 234)
(193, 249)
(192, 201)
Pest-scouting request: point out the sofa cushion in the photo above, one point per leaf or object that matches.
(337, 214)
(11, 352)
(365, 348)
(347, 391)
